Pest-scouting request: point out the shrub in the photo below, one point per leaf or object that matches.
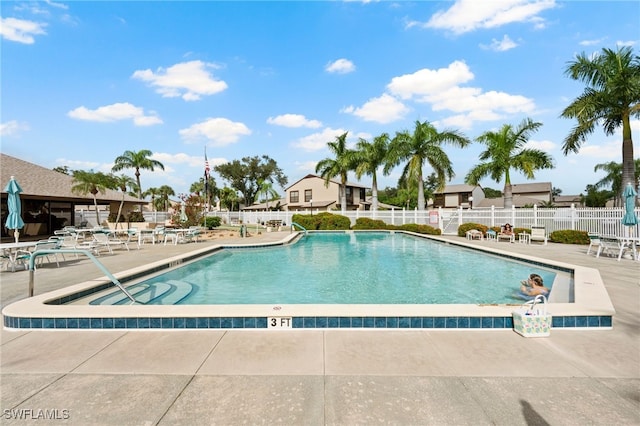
(569, 236)
(462, 229)
(366, 223)
(419, 229)
(212, 222)
(322, 221)
(113, 215)
(135, 216)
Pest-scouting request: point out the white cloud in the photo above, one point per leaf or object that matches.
(189, 80)
(500, 45)
(426, 81)
(544, 145)
(83, 165)
(218, 131)
(605, 152)
(21, 31)
(12, 128)
(307, 166)
(591, 42)
(185, 159)
(115, 112)
(383, 109)
(318, 141)
(294, 120)
(469, 15)
(442, 89)
(626, 43)
(340, 66)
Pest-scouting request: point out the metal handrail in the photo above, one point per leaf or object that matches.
(32, 263)
(299, 226)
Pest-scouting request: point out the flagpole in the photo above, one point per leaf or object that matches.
(206, 187)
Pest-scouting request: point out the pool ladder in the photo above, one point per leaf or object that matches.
(32, 263)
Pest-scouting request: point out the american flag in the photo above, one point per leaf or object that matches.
(206, 166)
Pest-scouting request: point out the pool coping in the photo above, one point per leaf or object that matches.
(591, 309)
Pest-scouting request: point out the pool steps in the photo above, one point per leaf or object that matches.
(169, 293)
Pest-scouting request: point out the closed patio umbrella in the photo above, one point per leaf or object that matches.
(14, 218)
(629, 218)
(183, 213)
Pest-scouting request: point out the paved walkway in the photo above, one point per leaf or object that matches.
(322, 377)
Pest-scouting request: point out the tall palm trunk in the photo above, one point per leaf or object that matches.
(421, 202)
(508, 196)
(628, 165)
(374, 193)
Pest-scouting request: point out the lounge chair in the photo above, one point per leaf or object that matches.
(614, 246)
(594, 242)
(503, 235)
(41, 246)
(105, 240)
(538, 233)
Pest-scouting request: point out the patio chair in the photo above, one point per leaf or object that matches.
(193, 234)
(594, 242)
(505, 234)
(614, 246)
(40, 246)
(106, 240)
(133, 237)
(538, 233)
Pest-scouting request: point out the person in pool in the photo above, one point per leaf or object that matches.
(533, 287)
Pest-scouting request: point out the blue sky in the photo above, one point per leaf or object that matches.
(84, 81)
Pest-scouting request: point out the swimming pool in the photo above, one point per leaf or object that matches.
(341, 268)
(584, 303)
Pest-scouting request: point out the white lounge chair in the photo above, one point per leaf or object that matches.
(105, 240)
(614, 246)
(538, 233)
(41, 246)
(594, 242)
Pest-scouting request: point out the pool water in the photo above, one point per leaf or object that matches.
(351, 268)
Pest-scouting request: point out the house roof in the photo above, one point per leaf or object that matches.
(524, 188)
(517, 201)
(263, 206)
(454, 189)
(38, 181)
(309, 176)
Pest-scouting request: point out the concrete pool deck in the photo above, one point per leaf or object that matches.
(317, 377)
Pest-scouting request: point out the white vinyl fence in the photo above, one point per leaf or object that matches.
(604, 221)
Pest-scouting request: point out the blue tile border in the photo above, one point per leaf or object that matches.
(465, 323)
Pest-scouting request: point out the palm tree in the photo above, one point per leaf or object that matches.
(164, 192)
(611, 98)
(505, 151)
(153, 193)
(228, 197)
(613, 178)
(340, 165)
(122, 182)
(265, 188)
(91, 183)
(423, 145)
(136, 160)
(370, 157)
